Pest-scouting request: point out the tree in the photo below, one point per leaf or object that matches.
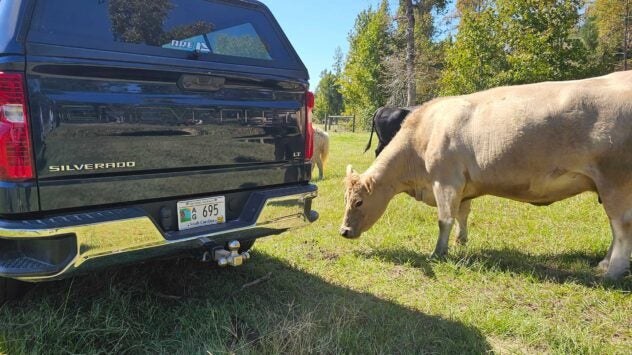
(589, 35)
(329, 100)
(410, 54)
(477, 55)
(515, 42)
(610, 18)
(430, 53)
(542, 42)
(421, 53)
(339, 61)
(363, 75)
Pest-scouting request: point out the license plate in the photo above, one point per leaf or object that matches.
(202, 212)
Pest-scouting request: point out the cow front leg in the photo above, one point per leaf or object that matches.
(448, 201)
(461, 219)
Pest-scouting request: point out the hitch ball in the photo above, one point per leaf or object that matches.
(231, 256)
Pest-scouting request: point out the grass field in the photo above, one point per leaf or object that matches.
(525, 283)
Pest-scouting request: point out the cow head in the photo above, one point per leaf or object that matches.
(364, 204)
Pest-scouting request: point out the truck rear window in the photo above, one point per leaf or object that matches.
(190, 29)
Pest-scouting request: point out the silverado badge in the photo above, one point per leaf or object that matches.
(92, 166)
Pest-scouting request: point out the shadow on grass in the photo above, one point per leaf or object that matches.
(403, 257)
(183, 306)
(579, 267)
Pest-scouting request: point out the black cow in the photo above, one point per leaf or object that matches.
(386, 123)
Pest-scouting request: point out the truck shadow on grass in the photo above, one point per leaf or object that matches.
(183, 306)
(578, 267)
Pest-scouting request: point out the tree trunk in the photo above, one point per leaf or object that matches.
(410, 54)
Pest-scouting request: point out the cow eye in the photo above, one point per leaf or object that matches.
(359, 204)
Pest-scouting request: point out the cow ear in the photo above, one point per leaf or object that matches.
(369, 184)
(349, 170)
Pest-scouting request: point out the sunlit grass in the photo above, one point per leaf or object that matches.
(525, 283)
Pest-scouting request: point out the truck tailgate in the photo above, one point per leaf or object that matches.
(141, 134)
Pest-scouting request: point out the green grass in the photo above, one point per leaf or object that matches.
(525, 283)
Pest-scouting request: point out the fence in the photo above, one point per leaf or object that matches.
(340, 123)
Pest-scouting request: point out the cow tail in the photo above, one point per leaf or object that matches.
(368, 146)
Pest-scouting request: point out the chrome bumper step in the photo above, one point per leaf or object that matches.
(95, 240)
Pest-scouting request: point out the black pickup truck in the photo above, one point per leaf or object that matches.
(132, 129)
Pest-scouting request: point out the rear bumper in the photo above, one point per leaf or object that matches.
(62, 246)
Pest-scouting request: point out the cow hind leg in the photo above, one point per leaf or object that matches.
(320, 164)
(603, 264)
(448, 202)
(461, 219)
(621, 249)
(618, 206)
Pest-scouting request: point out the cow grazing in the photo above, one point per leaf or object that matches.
(537, 143)
(386, 123)
(321, 151)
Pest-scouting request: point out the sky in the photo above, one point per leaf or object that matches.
(317, 27)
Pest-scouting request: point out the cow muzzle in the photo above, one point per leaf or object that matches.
(348, 233)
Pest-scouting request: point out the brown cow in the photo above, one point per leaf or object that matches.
(537, 143)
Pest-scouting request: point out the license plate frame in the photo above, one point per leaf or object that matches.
(201, 212)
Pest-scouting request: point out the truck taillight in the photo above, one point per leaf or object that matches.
(16, 162)
(309, 139)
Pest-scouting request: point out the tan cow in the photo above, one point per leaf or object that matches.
(537, 143)
(321, 151)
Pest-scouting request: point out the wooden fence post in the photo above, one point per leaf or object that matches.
(354, 123)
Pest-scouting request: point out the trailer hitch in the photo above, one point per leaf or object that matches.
(230, 257)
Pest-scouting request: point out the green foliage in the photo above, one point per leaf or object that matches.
(329, 100)
(508, 42)
(471, 5)
(589, 33)
(477, 55)
(363, 73)
(542, 41)
(609, 17)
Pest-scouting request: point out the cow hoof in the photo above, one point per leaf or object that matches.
(615, 276)
(461, 241)
(616, 273)
(603, 265)
(438, 256)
